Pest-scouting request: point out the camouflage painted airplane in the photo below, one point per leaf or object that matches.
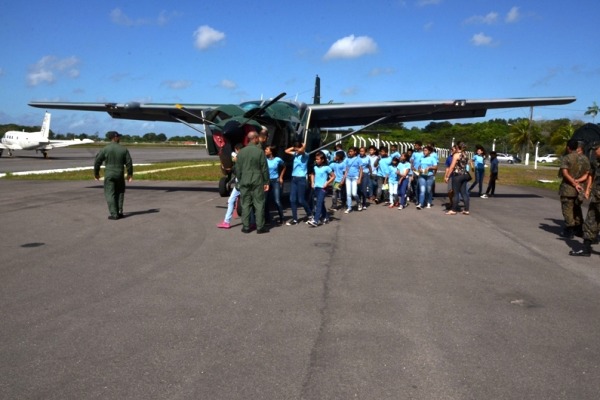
(225, 125)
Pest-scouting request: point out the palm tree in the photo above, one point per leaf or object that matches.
(522, 136)
(559, 138)
(593, 111)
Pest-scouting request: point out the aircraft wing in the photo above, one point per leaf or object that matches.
(323, 115)
(134, 110)
(355, 114)
(64, 143)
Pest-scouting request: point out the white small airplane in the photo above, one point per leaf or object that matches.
(38, 141)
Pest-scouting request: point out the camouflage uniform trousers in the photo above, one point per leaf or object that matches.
(571, 210)
(592, 222)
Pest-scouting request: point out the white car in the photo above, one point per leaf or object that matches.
(547, 158)
(506, 158)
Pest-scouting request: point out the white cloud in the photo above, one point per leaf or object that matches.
(48, 68)
(117, 16)
(227, 84)
(422, 3)
(351, 47)
(480, 39)
(488, 19)
(205, 37)
(177, 85)
(351, 91)
(513, 15)
(382, 71)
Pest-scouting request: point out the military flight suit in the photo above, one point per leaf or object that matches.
(577, 165)
(252, 173)
(117, 158)
(592, 219)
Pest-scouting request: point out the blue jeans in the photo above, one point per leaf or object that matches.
(479, 172)
(274, 198)
(425, 185)
(298, 195)
(402, 190)
(459, 185)
(231, 204)
(363, 189)
(351, 190)
(320, 210)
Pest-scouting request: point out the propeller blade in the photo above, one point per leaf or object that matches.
(257, 111)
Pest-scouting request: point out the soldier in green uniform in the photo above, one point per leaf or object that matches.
(117, 158)
(574, 169)
(592, 220)
(253, 177)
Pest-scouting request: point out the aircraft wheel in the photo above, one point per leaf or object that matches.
(45, 153)
(223, 187)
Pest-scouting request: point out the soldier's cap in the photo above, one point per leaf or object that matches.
(113, 134)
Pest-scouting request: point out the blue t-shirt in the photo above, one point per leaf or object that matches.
(395, 154)
(428, 162)
(338, 170)
(402, 167)
(393, 174)
(353, 167)
(372, 159)
(273, 164)
(322, 175)
(365, 162)
(494, 165)
(300, 167)
(416, 159)
(382, 167)
(479, 162)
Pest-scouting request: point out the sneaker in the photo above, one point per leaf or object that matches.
(224, 225)
(428, 206)
(291, 222)
(347, 210)
(391, 206)
(418, 207)
(326, 221)
(484, 196)
(400, 207)
(312, 222)
(360, 208)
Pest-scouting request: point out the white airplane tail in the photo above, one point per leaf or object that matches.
(46, 125)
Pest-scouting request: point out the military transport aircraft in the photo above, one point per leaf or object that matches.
(38, 141)
(291, 121)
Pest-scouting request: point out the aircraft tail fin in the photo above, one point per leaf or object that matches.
(317, 97)
(46, 125)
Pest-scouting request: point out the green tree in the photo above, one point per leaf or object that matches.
(593, 111)
(522, 136)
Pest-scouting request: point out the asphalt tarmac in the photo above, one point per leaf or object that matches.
(378, 304)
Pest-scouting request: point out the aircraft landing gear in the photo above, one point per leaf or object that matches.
(1, 152)
(224, 186)
(45, 154)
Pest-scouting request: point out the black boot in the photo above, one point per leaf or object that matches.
(586, 252)
(567, 233)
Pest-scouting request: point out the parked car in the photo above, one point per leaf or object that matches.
(547, 158)
(505, 158)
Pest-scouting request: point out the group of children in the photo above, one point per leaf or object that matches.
(355, 179)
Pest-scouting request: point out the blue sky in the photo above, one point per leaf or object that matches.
(231, 51)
